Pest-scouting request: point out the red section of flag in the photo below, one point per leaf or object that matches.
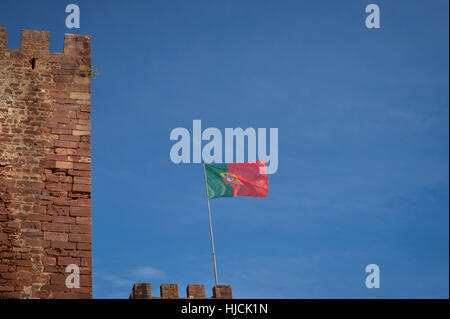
(252, 179)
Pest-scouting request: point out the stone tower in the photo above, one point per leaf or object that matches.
(45, 167)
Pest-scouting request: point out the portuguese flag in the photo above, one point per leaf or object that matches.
(237, 179)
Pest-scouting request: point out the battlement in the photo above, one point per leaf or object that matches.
(37, 43)
(170, 291)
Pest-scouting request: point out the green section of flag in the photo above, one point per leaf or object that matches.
(216, 185)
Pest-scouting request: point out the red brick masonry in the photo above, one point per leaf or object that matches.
(45, 167)
(170, 291)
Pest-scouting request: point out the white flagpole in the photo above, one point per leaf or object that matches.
(210, 224)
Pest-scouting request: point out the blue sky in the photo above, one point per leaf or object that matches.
(363, 119)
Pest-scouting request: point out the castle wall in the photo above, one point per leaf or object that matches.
(170, 291)
(45, 167)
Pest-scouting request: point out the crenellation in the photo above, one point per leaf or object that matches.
(35, 42)
(222, 292)
(78, 47)
(195, 291)
(170, 291)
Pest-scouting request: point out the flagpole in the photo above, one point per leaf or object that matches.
(210, 224)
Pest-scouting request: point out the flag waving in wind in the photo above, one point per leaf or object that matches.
(237, 179)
